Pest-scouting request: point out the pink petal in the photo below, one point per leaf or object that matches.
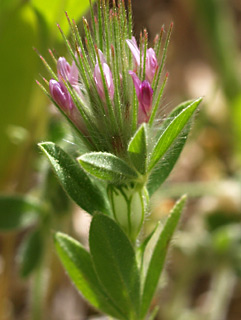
(63, 69)
(98, 81)
(151, 64)
(102, 57)
(74, 74)
(107, 75)
(134, 50)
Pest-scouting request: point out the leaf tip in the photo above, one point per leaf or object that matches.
(182, 201)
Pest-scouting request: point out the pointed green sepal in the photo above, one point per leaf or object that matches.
(137, 149)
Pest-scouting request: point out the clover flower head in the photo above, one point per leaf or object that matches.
(112, 85)
(110, 93)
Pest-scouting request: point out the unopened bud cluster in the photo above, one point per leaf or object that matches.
(109, 87)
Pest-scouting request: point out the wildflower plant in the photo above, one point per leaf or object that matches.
(110, 93)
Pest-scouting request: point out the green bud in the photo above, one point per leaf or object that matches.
(129, 206)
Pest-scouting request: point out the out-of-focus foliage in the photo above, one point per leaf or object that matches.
(23, 26)
(51, 12)
(207, 65)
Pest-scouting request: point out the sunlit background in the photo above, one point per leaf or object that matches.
(202, 277)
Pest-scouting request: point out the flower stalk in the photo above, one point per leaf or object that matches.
(110, 93)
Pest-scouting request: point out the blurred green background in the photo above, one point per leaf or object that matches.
(25, 25)
(202, 278)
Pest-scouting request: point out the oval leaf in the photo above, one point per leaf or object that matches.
(158, 256)
(74, 180)
(172, 132)
(115, 263)
(107, 166)
(137, 149)
(17, 212)
(77, 262)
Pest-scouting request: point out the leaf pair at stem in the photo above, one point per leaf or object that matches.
(109, 276)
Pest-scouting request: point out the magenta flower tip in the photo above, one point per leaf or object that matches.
(60, 95)
(144, 94)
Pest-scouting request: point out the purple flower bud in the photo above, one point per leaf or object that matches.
(151, 60)
(151, 64)
(67, 72)
(107, 75)
(61, 95)
(63, 98)
(145, 101)
(144, 94)
(102, 57)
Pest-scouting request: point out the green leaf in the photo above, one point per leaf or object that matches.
(17, 212)
(78, 264)
(137, 149)
(115, 263)
(74, 180)
(165, 165)
(141, 249)
(107, 166)
(158, 256)
(30, 253)
(172, 116)
(172, 132)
